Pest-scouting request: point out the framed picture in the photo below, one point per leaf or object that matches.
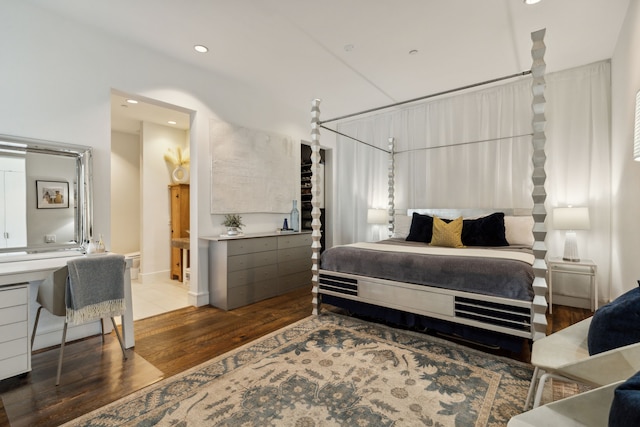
(52, 194)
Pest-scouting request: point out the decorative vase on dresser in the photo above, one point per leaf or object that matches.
(294, 221)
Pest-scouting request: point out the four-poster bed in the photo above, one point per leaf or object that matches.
(365, 279)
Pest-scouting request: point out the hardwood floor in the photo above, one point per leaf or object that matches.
(94, 374)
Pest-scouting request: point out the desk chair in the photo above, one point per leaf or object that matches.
(87, 289)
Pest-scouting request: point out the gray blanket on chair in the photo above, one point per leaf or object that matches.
(95, 288)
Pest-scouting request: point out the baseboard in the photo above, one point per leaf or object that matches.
(572, 301)
(198, 299)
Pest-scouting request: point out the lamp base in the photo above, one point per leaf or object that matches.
(570, 247)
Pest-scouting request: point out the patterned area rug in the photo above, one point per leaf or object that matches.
(331, 370)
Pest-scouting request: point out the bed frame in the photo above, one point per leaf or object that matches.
(502, 315)
(513, 318)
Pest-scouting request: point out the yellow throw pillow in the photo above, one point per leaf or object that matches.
(447, 235)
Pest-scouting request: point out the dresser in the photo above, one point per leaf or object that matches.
(15, 351)
(250, 268)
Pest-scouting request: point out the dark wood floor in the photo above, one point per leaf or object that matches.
(94, 374)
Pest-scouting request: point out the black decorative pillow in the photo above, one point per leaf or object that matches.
(421, 228)
(625, 408)
(616, 324)
(485, 231)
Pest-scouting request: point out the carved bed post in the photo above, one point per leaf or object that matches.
(539, 177)
(316, 232)
(392, 208)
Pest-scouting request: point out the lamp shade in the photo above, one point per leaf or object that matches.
(571, 218)
(377, 216)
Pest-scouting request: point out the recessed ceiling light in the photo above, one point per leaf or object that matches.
(531, 1)
(201, 48)
(132, 101)
(413, 52)
(172, 122)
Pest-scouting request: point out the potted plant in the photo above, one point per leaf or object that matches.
(233, 222)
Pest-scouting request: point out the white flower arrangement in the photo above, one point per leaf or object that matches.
(179, 159)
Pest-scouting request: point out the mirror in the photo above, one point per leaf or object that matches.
(45, 195)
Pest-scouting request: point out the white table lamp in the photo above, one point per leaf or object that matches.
(571, 219)
(377, 217)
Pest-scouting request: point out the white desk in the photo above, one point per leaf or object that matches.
(584, 267)
(36, 267)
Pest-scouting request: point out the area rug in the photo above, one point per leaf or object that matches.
(332, 370)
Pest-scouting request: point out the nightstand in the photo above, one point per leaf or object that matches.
(584, 267)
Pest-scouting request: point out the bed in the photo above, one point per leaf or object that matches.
(465, 292)
(484, 291)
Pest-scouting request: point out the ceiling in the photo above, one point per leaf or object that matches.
(355, 54)
(127, 117)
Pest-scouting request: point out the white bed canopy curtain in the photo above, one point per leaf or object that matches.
(438, 165)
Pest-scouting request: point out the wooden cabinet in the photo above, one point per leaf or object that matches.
(248, 269)
(15, 352)
(179, 226)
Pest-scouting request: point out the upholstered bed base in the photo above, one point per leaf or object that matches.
(486, 319)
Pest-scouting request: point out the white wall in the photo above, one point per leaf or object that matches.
(625, 187)
(125, 193)
(56, 83)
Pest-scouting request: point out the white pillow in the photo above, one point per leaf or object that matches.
(519, 230)
(402, 225)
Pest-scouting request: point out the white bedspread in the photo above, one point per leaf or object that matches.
(437, 250)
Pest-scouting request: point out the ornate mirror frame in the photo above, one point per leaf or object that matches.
(79, 196)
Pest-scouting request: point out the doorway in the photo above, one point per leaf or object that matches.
(146, 139)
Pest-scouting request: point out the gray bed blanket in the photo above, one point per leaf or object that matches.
(95, 288)
(488, 276)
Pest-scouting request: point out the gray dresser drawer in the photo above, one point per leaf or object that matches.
(243, 295)
(251, 275)
(247, 246)
(290, 254)
(294, 240)
(257, 259)
(294, 281)
(294, 266)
